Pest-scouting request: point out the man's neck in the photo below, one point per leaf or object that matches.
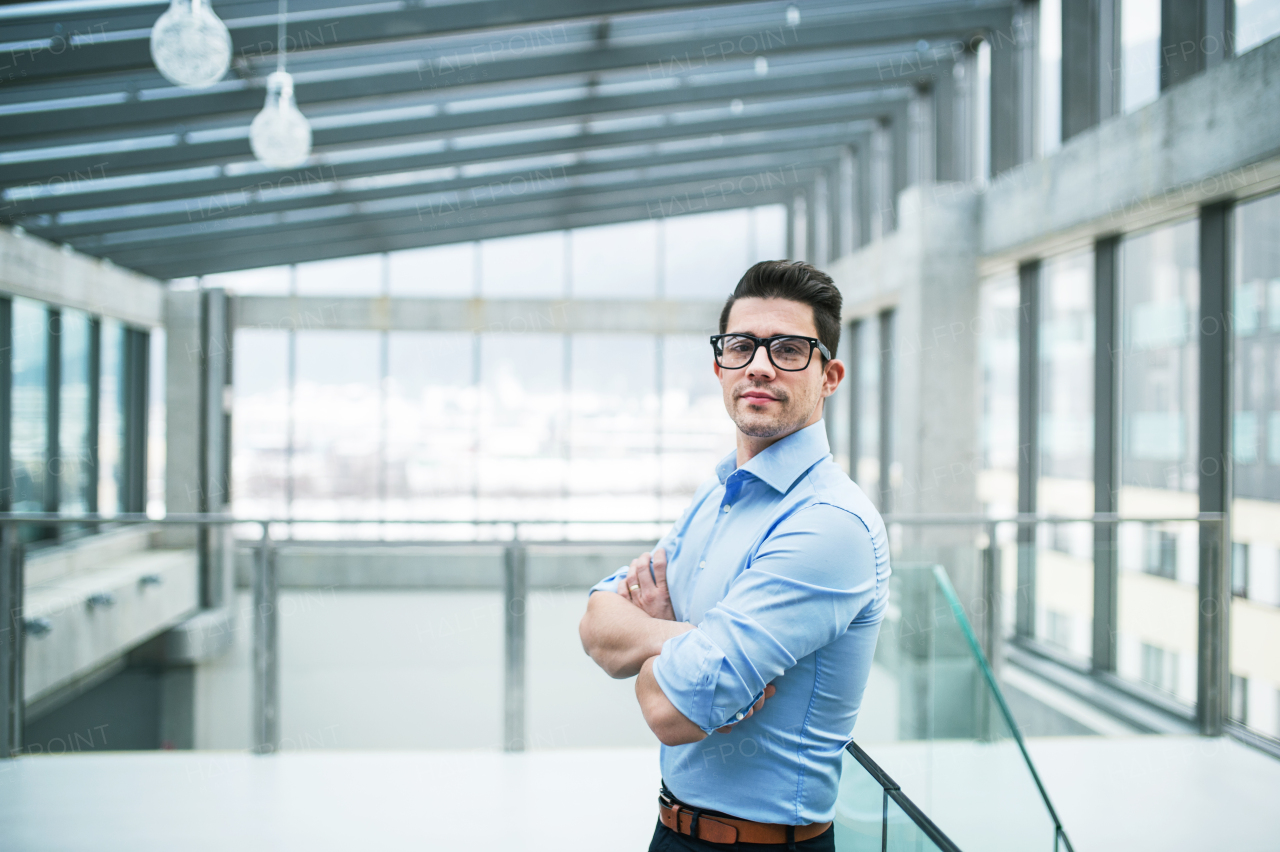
(749, 447)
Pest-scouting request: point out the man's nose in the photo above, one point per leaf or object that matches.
(760, 364)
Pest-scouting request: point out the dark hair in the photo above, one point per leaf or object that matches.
(799, 282)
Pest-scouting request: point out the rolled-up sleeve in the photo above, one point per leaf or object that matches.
(810, 578)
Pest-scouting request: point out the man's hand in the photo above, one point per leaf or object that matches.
(768, 693)
(651, 595)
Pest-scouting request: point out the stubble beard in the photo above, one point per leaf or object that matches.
(760, 425)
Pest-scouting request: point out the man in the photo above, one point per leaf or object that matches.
(751, 626)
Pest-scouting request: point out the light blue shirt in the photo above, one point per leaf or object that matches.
(783, 567)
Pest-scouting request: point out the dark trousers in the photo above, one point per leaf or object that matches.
(666, 840)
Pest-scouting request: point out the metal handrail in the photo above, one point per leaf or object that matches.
(892, 790)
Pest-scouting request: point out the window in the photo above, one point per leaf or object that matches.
(1160, 668)
(1162, 553)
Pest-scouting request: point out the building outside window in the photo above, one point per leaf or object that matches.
(1255, 435)
(1159, 402)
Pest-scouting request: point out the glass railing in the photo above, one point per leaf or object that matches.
(935, 719)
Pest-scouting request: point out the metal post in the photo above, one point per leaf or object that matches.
(514, 606)
(1106, 452)
(1028, 441)
(887, 367)
(1216, 343)
(266, 648)
(991, 632)
(11, 641)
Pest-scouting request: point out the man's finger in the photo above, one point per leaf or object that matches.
(623, 590)
(644, 576)
(659, 568)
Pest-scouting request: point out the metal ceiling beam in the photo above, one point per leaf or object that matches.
(198, 153)
(356, 235)
(669, 58)
(165, 265)
(889, 104)
(431, 212)
(113, 40)
(759, 155)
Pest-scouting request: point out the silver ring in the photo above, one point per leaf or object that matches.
(635, 588)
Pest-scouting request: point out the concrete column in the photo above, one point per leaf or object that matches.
(846, 204)
(1011, 130)
(928, 268)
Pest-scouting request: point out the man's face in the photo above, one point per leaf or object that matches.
(763, 401)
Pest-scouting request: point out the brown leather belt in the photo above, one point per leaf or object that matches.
(718, 828)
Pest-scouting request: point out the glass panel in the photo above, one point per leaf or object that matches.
(999, 305)
(111, 418)
(613, 427)
(344, 276)
(267, 281)
(1256, 21)
(1159, 298)
(1158, 602)
(867, 473)
(156, 453)
(523, 454)
(525, 267)
(860, 805)
(1255, 526)
(445, 271)
(431, 425)
(836, 410)
(1050, 44)
(260, 424)
(29, 441)
(695, 431)
(74, 461)
(933, 720)
(770, 229)
(903, 835)
(596, 272)
(1064, 559)
(1139, 53)
(337, 423)
(704, 255)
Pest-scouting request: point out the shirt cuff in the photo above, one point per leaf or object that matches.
(687, 671)
(610, 583)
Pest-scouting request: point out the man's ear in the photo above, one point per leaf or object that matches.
(832, 377)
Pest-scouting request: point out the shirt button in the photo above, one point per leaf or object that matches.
(702, 564)
(740, 717)
(726, 508)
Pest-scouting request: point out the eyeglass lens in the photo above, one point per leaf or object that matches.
(788, 353)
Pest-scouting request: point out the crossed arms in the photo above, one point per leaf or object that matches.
(624, 633)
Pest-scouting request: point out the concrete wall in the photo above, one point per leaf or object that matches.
(37, 269)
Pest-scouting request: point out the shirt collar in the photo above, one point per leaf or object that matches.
(781, 463)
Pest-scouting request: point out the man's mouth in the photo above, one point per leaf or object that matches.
(758, 397)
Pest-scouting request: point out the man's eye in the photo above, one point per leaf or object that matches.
(787, 349)
(740, 346)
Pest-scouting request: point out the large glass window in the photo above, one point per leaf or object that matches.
(1159, 375)
(29, 440)
(1050, 105)
(431, 425)
(1064, 560)
(595, 272)
(1139, 53)
(867, 406)
(1255, 562)
(73, 467)
(260, 423)
(110, 418)
(1256, 21)
(613, 426)
(998, 310)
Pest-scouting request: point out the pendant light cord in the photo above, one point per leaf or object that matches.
(284, 10)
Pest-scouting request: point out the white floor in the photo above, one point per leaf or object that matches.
(1127, 794)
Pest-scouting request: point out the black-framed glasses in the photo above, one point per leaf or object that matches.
(787, 352)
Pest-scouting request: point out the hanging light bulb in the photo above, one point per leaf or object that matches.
(793, 15)
(190, 45)
(280, 136)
